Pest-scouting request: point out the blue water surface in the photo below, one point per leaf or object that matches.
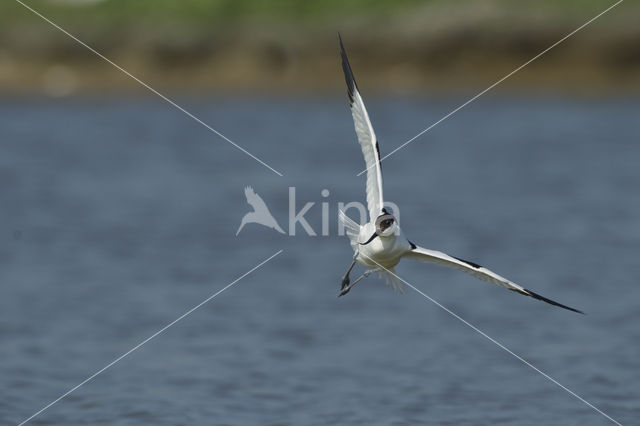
(119, 215)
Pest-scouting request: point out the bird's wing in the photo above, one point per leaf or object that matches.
(367, 139)
(351, 227)
(254, 199)
(477, 271)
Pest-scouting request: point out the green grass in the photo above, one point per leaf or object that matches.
(203, 12)
(212, 12)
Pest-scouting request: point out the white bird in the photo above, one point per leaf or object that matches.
(380, 244)
(260, 213)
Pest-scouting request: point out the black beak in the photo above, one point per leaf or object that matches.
(375, 234)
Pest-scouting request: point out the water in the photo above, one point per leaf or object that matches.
(119, 215)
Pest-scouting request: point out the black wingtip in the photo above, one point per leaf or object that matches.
(551, 302)
(473, 265)
(348, 74)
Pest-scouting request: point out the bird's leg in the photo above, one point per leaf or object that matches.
(345, 279)
(361, 277)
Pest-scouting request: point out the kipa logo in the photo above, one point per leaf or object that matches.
(262, 215)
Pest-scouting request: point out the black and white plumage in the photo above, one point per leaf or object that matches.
(366, 137)
(379, 244)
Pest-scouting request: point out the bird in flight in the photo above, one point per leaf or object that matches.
(380, 244)
(260, 213)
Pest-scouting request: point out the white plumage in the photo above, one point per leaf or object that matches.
(379, 244)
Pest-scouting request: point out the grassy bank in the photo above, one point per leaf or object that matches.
(290, 45)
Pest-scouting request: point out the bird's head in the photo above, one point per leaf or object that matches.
(386, 225)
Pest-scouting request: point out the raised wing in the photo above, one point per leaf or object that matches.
(367, 139)
(477, 271)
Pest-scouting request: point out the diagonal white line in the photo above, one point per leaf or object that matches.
(500, 345)
(151, 89)
(495, 84)
(163, 329)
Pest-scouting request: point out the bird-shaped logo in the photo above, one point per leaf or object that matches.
(260, 213)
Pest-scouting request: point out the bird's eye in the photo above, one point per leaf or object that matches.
(384, 221)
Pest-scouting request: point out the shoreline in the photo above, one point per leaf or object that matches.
(466, 49)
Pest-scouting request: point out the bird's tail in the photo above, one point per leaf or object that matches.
(392, 279)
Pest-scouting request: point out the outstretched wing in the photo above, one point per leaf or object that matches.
(254, 199)
(477, 271)
(367, 139)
